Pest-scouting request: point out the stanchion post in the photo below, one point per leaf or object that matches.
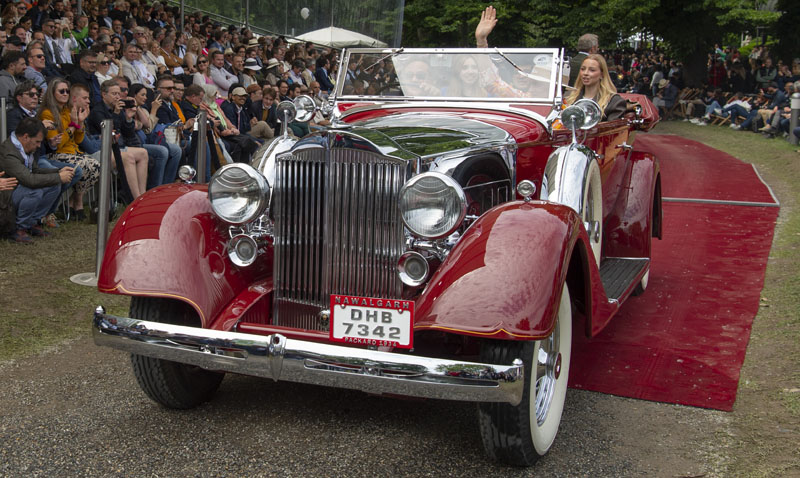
(105, 192)
(3, 119)
(201, 147)
(794, 122)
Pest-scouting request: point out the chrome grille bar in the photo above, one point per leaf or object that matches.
(337, 230)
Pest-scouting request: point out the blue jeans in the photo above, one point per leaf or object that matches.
(735, 111)
(164, 162)
(47, 163)
(90, 144)
(33, 204)
(752, 116)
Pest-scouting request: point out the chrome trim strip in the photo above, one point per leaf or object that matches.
(492, 107)
(720, 201)
(280, 358)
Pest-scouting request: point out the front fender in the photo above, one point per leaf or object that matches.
(503, 278)
(169, 243)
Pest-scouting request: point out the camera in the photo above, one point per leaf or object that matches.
(129, 103)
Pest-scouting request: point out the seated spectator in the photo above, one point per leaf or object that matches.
(35, 69)
(243, 118)
(103, 66)
(169, 113)
(133, 68)
(134, 159)
(68, 121)
(264, 107)
(250, 73)
(26, 100)
(203, 74)
(190, 105)
(665, 97)
(13, 65)
(223, 79)
(162, 167)
(273, 72)
(85, 74)
(38, 188)
(239, 147)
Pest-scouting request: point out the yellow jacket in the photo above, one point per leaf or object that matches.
(69, 143)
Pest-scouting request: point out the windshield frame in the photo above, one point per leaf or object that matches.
(555, 77)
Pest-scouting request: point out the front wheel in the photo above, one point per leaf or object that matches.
(521, 434)
(171, 384)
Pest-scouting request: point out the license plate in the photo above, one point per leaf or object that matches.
(372, 321)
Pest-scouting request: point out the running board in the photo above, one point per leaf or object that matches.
(618, 273)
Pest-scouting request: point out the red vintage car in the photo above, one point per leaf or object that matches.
(440, 239)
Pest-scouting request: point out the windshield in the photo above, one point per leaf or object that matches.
(472, 74)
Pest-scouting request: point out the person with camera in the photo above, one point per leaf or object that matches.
(165, 157)
(122, 112)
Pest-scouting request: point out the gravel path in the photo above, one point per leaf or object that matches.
(77, 411)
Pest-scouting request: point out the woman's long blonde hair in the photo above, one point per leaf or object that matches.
(606, 89)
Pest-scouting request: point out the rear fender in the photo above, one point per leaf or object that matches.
(503, 278)
(169, 243)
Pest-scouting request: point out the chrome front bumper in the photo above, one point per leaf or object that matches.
(280, 358)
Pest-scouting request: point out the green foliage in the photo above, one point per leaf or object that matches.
(688, 27)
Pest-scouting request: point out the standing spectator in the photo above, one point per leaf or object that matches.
(717, 75)
(13, 65)
(587, 44)
(766, 74)
(37, 188)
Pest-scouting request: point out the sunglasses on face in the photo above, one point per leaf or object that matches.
(32, 94)
(201, 62)
(105, 62)
(62, 92)
(40, 56)
(123, 90)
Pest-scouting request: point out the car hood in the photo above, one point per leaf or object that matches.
(429, 135)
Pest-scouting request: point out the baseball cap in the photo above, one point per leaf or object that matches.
(239, 91)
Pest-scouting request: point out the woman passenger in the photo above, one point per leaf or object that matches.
(593, 82)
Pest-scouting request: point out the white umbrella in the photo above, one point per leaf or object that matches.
(339, 38)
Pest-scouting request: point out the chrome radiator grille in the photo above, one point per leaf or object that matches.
(337, 230)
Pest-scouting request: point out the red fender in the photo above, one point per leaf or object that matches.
(169, 243)
(503, 278)
(629, 230)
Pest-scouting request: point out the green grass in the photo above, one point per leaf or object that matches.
(41, 307)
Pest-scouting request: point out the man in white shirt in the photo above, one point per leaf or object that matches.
(223, 79)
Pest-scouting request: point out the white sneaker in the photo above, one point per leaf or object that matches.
(706, 117)
(735, 127)
(694, 120)
(718, 112)
(702, 124)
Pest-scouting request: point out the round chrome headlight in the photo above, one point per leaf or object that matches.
(432, 205)
(238, 193)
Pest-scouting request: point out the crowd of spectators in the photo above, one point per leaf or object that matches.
(748, 92)
(132, 63)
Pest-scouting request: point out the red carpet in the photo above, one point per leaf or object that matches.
(684, 340)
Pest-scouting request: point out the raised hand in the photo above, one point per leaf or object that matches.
(83, 113)
(485, 26)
